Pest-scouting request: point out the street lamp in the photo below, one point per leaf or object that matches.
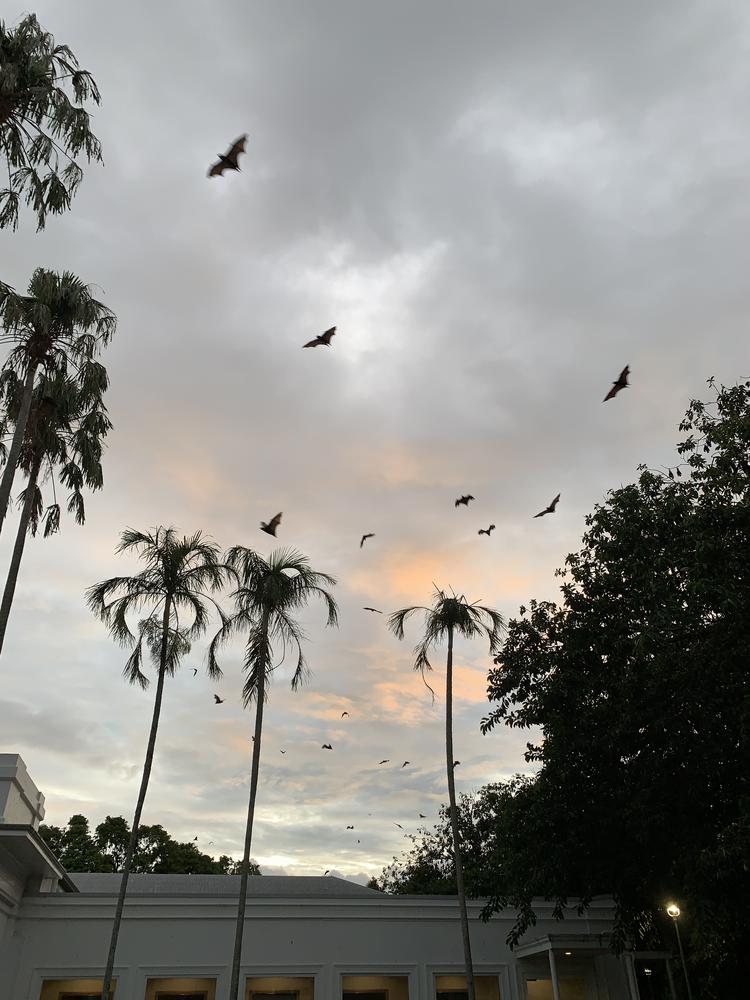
(673, 911)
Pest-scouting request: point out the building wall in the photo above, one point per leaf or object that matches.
(67, 935)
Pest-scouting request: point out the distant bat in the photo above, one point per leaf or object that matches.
(383, 762)
(218, 700)
(456, 763)
(350, 827)
(195, 671)
(486, 531)
(365, 537)
(422, 816)
(464, 500)
(229, 161)
(282, 751)
(194, 839)
(550, 509)
(621, 383)
(405, 763)
(270, 528)
(326, 871)
(399, 826)
(323, 339)
(373, 609)
(343, 714)
(326, 746)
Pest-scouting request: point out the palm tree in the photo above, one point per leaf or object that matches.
(65, 430)
(446, 617)
(267, 595)
(180, 576)
(58, 327)
(39, 123)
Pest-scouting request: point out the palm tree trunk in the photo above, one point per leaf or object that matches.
(471, 992)
(240, 926)
(6, 483)
(132, 843)
(15, 559)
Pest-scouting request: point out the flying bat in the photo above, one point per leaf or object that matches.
(405, 763)
(621, 383)
(323, 339)
(195, 671)
(456, 763)
(343, 714)
(399, 826)
(486, 531)
(365, 537)
(550, 509)
(282, 751)
(270, 528)
(326, 746)
(373, 609)
(350, 827)
(464, 500)
(326, 871)
(422, 816)
(218, 700)
(383, 762)
(194, 839)
(229, 161)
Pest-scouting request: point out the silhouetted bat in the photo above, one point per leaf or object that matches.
(326, 871)
(464, 500)
(229, 160)
(405, 763)
(350, 827)
(326, 746)
(343, 714)
(486, 531)
(195, 671)
(218, 700)
(550, 509)
(422, 816)
(456, 763)
(282, 751)
(270, 528)
(621, 383)
(324, 339)
(365, 537)
(399, 826)
(383, 762)
(373, 609)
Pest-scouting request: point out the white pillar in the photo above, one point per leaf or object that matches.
(553, 974)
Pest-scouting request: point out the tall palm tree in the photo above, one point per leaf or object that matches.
(64, 432)
(448, 616)
(267, 595)
(59, 327)
(39, 123)
(180, 576)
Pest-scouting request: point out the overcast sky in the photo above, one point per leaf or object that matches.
(499, 205)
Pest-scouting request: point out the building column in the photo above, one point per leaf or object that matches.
(553, 974)
(635, 993)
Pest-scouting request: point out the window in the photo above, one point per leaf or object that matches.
(181, 988)
(453, 995)
(74, 989)
(454, 987)
(275, 996)
(366, 995)
(280, 988)
(181, 996)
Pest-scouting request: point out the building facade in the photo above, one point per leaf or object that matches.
(305, 938)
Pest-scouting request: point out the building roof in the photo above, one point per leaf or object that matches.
(290, 886)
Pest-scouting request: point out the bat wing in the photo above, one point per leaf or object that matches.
(541, 513)
(325, 338)
(275, 522)
(313, 343)
(623, 379)
(554, 504)
(217, 169)
(235, 149)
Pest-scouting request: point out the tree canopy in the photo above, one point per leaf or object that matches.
(638, 682)
(42, 130)
(80, 850)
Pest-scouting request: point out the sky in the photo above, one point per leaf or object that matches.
(498, 205)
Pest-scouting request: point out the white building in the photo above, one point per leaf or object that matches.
(305, 938)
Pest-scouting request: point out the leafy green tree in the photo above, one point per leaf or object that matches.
(105, 851)
(268, 594)
(180, 576)
(64, 433)
(42, 130)
(57, 329)
(448, 616)
(638, 681)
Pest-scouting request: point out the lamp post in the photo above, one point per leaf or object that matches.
(673, 911)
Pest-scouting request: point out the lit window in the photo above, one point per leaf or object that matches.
(181, 988)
